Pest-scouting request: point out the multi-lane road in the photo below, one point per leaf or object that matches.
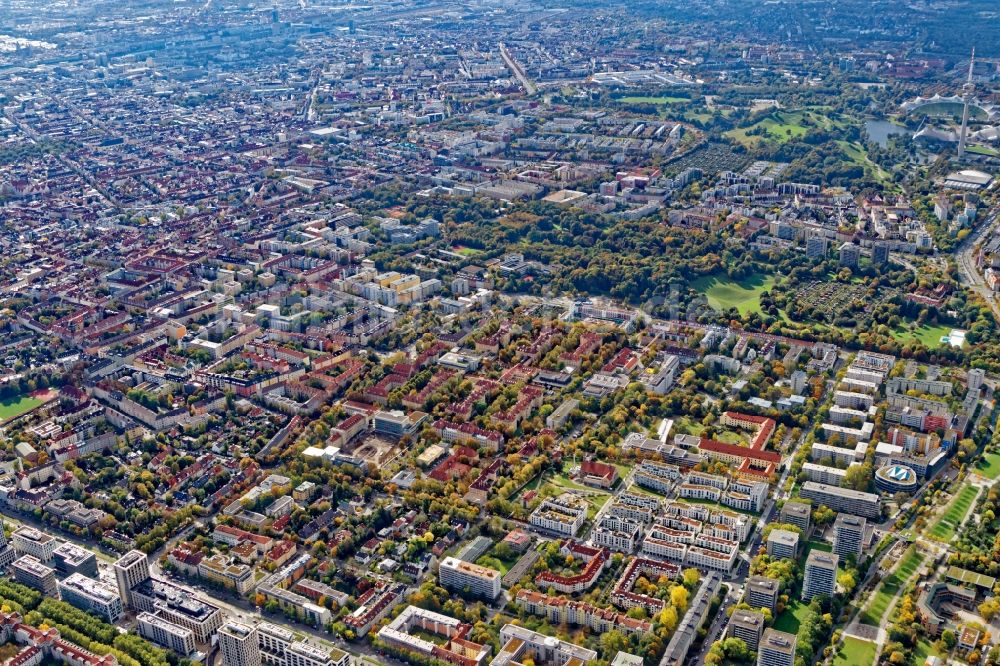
(965, 256)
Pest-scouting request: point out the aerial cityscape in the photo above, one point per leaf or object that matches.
(499, 333)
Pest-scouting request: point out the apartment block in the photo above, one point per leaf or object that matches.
(747, 625)
(844, 500)
(798, 514)
(849, 535)
(783, 544)
(167, 634)
(520, 644)
(455, 574)
(820, 575)
(563, 515)
(776, 648)
(762, 592)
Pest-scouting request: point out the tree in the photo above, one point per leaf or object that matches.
(668, 618)
(679, 596)
(846, 581)
(691, 577)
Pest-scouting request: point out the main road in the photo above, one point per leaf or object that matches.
(513, 65)
(965, 257)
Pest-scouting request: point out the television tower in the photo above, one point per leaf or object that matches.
(967, 90)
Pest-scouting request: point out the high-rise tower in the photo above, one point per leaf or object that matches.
(967, 90)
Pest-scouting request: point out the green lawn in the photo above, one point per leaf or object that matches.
(855, 652)
(983, 150)
(731, 437)
(467, 251)
(791, 617)
(856, 153)
(638, 99)
(928, 335)
(14, 407)
(636, 489)
(944, 528)
(685, 425)
(989, 465)
(595, 498)
(782, 126)
(923, 650)
(821, 546)
(890, 586)
(724, 293)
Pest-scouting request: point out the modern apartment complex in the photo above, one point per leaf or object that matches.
(456, 574)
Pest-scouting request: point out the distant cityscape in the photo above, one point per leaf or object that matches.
(499, 333)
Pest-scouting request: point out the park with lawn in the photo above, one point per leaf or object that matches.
(854, 651)
(944, 529)
(552, 485)
(792, 617)
(989, 465)
(743, 294)
(891, 586)
(783, 126)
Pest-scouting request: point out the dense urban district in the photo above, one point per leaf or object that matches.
(499, 333)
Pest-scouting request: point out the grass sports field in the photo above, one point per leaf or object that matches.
(724, 293)
(929, 335)
(14, 407)
(944, 528)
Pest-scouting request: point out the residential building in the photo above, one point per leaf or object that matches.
(850, 254)
(762, 592)
(520, 643)
(167, 634)
(236, 576)
(410, 627)
(798, 514)
(746, 625)
(845, 500)
(820, 575)
(849, 535)
(783, 544)
(563, 515)
(776, 648)
(816, 247)
(455, 574)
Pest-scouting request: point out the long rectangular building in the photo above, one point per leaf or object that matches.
(456, 574)
(843, 500)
